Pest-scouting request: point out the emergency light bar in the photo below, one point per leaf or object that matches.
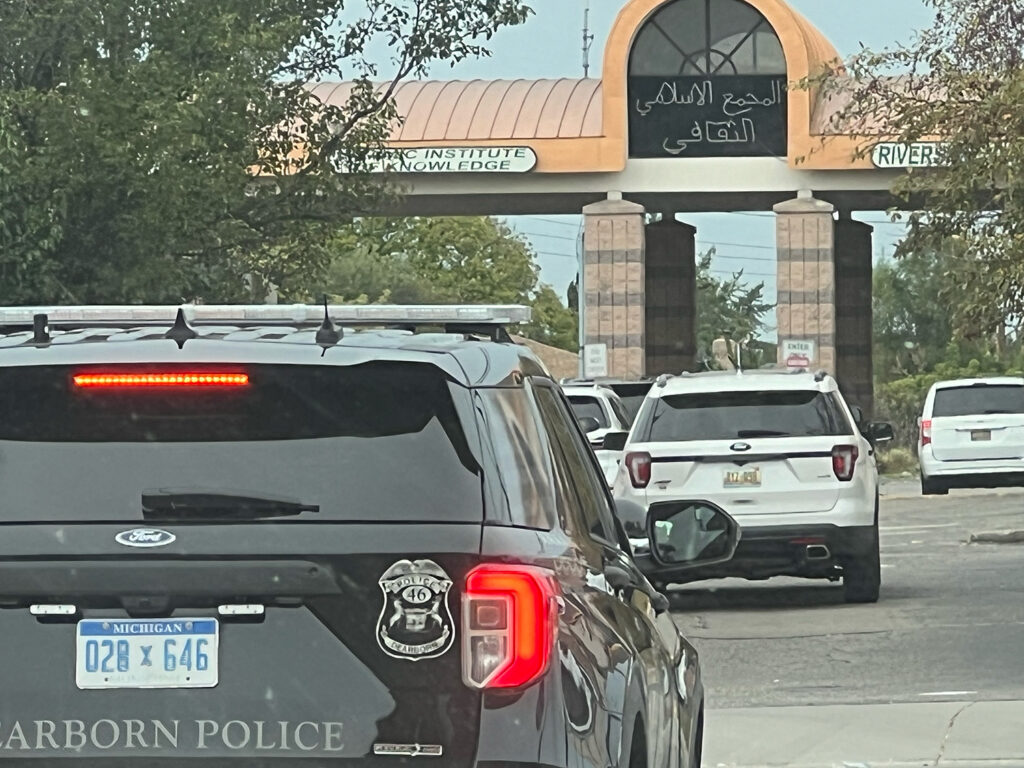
(270, 314)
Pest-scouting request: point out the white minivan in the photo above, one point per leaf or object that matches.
(972, 435)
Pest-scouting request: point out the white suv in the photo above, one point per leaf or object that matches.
(600, 413)
(600, 403)
(972, 434)
(783, 454)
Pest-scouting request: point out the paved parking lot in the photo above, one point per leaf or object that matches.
(949, 629)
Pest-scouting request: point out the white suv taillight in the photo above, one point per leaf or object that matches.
(639, 466)
(844, 461)
(926, 432)
(509, 616)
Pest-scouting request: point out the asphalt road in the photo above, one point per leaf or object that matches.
(949, 626)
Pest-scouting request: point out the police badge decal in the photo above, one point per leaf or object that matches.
(415, 622)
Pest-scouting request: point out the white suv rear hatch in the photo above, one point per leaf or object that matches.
(755, 452)
(978, 420)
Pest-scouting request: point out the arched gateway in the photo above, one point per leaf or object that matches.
(692, 113)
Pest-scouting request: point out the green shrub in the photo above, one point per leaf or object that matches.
(896, 461)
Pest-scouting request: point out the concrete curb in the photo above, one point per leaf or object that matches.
(997, 537)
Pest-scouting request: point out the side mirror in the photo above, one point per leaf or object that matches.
(614, 441)
(880, 432)
(588, 424)
(688, 534)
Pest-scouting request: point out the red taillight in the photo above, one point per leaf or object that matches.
(508, 625)
(140, 380)
(926, 432)
(639, 466)
(844, 461)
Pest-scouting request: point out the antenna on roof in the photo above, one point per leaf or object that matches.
(180, 332)
(327, 335)
(588, 39)
(40, 334)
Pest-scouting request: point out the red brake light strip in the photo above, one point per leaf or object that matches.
(141, 380)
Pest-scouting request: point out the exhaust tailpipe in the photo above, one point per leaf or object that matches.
(818, 552)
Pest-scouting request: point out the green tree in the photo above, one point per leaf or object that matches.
(132, 132)
(553, 323)
(961, 80)
(446, 260)
(912, 319)
(729, 306)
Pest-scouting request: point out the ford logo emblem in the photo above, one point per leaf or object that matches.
(145, 537)
(739, 447)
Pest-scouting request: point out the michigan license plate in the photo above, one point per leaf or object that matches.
(147, 653)
(750, 477)
(981, 434)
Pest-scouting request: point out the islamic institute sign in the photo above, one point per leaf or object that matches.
(701, 116)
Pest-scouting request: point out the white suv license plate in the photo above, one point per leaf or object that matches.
(748, 477)
(147, 653)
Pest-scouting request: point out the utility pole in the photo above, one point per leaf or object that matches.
(588, 39)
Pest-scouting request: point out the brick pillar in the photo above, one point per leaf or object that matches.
(805, 239)
(671, 285)
(614, 283)
(854, 327)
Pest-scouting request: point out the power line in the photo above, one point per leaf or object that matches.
(552, 221)
(550, 237)
(737, 245)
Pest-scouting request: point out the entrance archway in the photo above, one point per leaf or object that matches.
(707, 78)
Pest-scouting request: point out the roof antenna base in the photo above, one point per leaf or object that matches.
(327, 334)
(181, 331)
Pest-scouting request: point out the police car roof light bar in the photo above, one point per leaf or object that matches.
(270, 314)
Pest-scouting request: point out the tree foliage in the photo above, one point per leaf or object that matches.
(446, 260)
(961, 80)
(131, 132)
(729, 306)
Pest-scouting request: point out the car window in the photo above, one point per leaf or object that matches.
(594, 505)
(585, 405)
(632, 395)
(737, 415)
(378, 441)
(620, 412)
(978, 399)
(523, 455)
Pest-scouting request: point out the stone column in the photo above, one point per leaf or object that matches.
(854, 327)
(805, 239)
(614, 283)
(671, 285)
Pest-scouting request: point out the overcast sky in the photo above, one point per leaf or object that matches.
(549, 46)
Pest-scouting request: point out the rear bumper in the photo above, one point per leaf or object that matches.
(986, 469)
(777, 551)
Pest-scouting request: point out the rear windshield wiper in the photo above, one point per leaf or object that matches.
(184, 504)
(761, 433)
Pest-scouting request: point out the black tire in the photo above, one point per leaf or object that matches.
(862, 574)
(933, 487)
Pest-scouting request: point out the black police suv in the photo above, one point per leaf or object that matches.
(249, 536)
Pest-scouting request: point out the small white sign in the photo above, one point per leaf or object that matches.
(796, 353)
(595, 361)
(459, 160)
(920, 154)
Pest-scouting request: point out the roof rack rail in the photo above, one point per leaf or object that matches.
(662, 380)
(485, 319)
